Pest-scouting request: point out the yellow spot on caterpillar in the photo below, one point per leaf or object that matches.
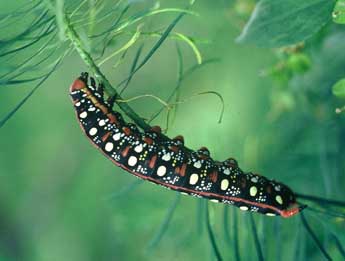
(93, 99)
(193, 179)
(253, 191)
(279, 200)
(224, 184)
(161, 171)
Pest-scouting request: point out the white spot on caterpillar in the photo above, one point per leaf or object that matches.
(161, 171)
(166, 157)
(270, 214)
(91, 109)
(101, 123)
(226, 172)
(253, 191)
(109, 146)
(132, 161)
(117, 136)
(193, 179)
(77, 104)
(93, 131)
(279, 200)
(254, 179)
(244, 208)
(224, 184)
(214, 200)
(83, 115)
(197, 164)
(138, 148)
(277, 188)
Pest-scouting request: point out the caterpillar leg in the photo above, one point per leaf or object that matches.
(100, 90)
(111, 101)
(84, 76)
(93, 82)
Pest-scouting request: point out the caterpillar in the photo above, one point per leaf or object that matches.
(152, 156)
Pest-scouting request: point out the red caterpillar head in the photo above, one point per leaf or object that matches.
(79, 87)
(79, 83)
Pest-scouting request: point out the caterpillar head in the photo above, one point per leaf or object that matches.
(77, 87)
(79, 83)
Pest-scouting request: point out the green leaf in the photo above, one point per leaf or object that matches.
(338, 89)
(339, 12)
(276, 23)
(298, 63)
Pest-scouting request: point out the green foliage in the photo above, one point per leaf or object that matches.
(338, 89)
(339, 12)
(277, 111)
(298, 63)
(276, 23)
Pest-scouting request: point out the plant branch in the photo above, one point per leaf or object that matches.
(110, 91)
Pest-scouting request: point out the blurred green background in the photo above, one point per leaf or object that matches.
(58, 196)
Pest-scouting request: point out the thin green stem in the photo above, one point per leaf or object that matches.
(256, 238)
(110, 91)
(314, 237)
(321, 201)
(235, 229)
(211, 236)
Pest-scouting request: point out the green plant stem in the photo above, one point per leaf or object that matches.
(109, 90)
(211, 235)
(256, 238)
(314, 237)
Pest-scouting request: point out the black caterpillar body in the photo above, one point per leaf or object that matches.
(152, 156)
